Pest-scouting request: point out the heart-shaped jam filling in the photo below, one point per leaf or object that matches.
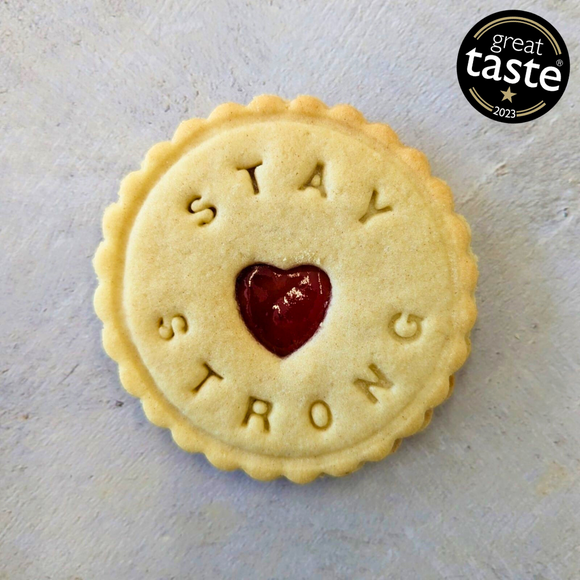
(283, 308)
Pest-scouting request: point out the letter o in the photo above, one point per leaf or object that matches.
(320, 415)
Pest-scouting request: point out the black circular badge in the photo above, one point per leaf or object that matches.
(513, 66)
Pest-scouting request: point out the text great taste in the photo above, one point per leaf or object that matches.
(548, 78)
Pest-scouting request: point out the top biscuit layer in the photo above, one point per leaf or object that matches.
(286, 184)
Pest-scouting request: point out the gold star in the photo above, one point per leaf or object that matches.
(508, 94)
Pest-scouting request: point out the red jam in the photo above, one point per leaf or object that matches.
(282, 308)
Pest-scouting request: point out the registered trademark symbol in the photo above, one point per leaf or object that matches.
(559, 62)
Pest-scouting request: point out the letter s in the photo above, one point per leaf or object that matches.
(511, 63)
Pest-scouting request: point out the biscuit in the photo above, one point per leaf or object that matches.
(286, 287)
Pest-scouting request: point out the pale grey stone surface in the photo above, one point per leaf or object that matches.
(90, 490)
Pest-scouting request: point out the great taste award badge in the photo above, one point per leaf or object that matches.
(513, 66)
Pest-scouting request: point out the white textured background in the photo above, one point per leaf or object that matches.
(90, 490)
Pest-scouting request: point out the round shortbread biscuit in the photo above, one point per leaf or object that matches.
(283, 185)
